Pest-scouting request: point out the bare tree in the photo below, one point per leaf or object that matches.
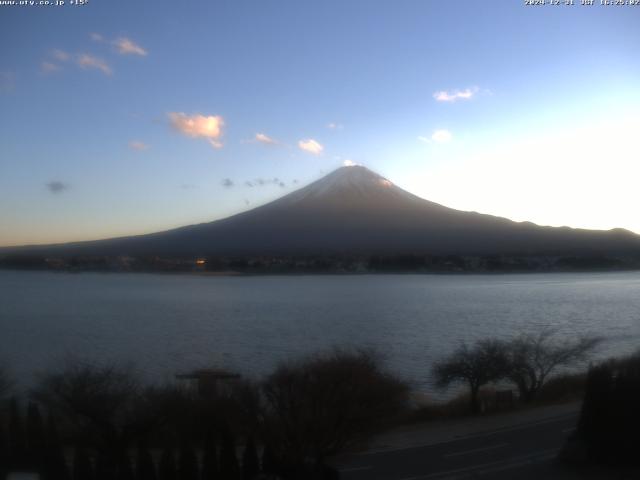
(486, 361)
(532, 359)
(107, 404)
(321, 405)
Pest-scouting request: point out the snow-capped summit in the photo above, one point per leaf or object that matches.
(351, 184)
(354, 178)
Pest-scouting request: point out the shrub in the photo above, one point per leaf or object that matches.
(610, 420)
(324, 404)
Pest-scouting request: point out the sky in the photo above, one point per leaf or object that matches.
(120, 117)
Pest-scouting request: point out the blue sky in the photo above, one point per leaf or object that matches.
(120, 117)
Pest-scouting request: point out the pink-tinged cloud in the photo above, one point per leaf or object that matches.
(310, 145)
(265, 139)
(138, 145)
(85, 60)
(126, 46)
(455, 95)
(48, 67)
(199, 126)
(96, 37)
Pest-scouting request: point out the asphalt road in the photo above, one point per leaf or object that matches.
(524, 449)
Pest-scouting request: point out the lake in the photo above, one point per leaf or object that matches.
(170, 323)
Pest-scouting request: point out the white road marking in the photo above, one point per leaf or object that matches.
(475, 450)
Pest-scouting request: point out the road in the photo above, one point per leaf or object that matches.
(526, 449)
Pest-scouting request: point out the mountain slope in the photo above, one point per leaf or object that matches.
(354, 210)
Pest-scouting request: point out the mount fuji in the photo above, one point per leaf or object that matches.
(356, 211)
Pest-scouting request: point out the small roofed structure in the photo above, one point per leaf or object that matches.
(208, 381)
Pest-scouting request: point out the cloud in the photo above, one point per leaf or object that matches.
(310, 145)
(48, 67)
(263, 182)
(199, 126)
(349, 163)
(227, 183)
(126, 46)
(60, 55)
(85, 60)
(441, 136)
(265, 139)
(96, 37)
(57, 186)
(455, 95)
(438, 136)
(7, 82)
(334, 126)
(138, 145)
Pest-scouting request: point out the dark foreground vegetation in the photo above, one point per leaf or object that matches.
(96, 422)
(527, 362)
(267, 264)
(609, 422)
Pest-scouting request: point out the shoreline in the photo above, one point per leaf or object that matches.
(239, 273)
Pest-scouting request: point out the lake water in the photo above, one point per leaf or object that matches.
(171, 323)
